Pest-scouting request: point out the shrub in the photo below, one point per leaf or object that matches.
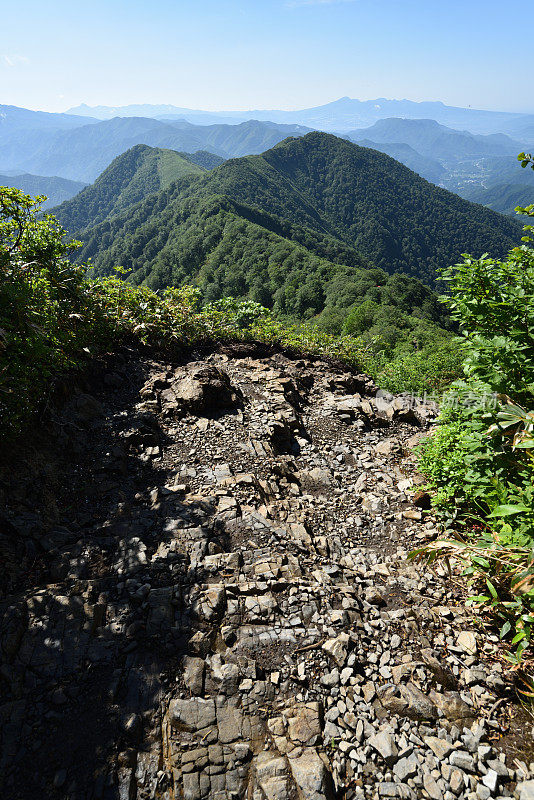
(480, 459)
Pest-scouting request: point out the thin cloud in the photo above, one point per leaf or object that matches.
(13, 60)
(299, 3)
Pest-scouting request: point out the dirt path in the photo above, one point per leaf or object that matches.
(206, 595)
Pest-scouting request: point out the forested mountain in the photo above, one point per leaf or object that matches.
(57, 190)
(83, 152)
(204, 159)
(248, 138)
(279, 226)
(502, 197)
(130, 178)
(428, 168)
(436, 141)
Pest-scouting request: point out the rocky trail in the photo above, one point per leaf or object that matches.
(205, 593)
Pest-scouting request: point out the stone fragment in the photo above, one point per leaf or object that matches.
(491, 779)
(304, 727)
(419, 706)
(406, 768)
(194, 674)
(524, 790)
(200, 389)
(311, 776)
(467, 642)
(338, 648)
(432, 787)
(439, 747)
(463, 760)
(384, 744)
(451, 704)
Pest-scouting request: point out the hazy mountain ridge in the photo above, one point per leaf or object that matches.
(468, 162)
(433, 140)
(57, 190)
(343, 114)
(84, 151)
(451, 158)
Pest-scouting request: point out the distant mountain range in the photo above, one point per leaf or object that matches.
(436, 141)
(163, 112)
(79, 148)
(82, 152)
(57, 190)
(465, 163)
(279, 227)
(341, 115)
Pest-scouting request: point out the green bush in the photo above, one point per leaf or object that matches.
(480, 459)
(46, 314)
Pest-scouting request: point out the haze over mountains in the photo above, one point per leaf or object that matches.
(57, 190)
(83, 152)
(340, 115)
(78, 147)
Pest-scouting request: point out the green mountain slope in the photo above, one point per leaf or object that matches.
(57, 190)
(428, 168)
(277, 226)
(204, 159)
(130, 178)
(502, 197)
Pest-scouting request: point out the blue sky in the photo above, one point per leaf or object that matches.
(245, 54)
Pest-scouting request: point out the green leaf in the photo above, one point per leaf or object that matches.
(492, 589)
(507, 510)
(506, 628)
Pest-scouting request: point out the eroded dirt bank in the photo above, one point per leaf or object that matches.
(205, 594)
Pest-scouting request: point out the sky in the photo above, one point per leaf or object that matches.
(239, 55)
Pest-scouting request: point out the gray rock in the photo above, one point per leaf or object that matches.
(194, 714)
(524, 790)
(194, 674)
(490, 779)
(432, 787)
(311, 776)
(439, 747)
(406, 768)
(452, 705)
(462, 759)
(338, 648)
(384, 744)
